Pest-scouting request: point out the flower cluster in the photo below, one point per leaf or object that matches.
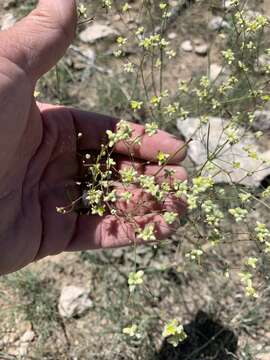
(82, 11)
(170, 217)
(107, 4)
(251, 24)
(151, 128)
(239, 89)
(132, 331)
(153, 41)
(128, 175)
(123, 133)
(174, 333)
(135, 279)
(246, 279)
(213, 214)
(147, 233)
(194, 255)
(239, 214)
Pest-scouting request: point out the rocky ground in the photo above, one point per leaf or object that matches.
(74, 306)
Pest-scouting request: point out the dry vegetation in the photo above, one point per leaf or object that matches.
(221, 323)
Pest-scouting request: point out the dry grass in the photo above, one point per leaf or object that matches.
(221, 322)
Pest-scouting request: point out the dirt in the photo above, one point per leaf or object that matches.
(213, 309)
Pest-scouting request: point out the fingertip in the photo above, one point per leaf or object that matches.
(65, 11)
(177, 148)
(41, 38)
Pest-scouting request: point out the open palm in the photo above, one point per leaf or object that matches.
(39, 149)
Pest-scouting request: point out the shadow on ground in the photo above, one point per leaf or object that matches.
(207, 339)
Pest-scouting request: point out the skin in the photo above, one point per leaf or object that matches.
(39, 149)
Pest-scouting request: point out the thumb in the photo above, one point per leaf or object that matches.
(38, 41)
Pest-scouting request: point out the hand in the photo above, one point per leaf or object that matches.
(39, 147)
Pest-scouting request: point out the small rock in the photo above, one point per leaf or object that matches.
(82, 58)
(10, 338)
(9, 3)
(217, 23)
(74, 301)
(202, 49)
(214, 131)
(97, 32)
(172, 36)
(198, 41)
(90, 55)
(116, 17)
(23, 326)
(8, 20)
(215, 71)
(227, 4)
(261, 120)
(28, 336)
(23, 349)
(187, 46)
(262, 63)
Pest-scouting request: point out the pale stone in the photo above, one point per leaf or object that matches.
(202, 49)
(215, 71)
(28, 336)
(262, 63)
(217, 23)
(172, 36)
(23, 349)
(83, 57)
(187, 46)
(74, 301)
(7, 21)
(227, 4)
(261, 120)
(8, 4)
(214, 132)
(97, 32)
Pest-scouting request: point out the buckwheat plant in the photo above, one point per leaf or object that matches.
(226, 202)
